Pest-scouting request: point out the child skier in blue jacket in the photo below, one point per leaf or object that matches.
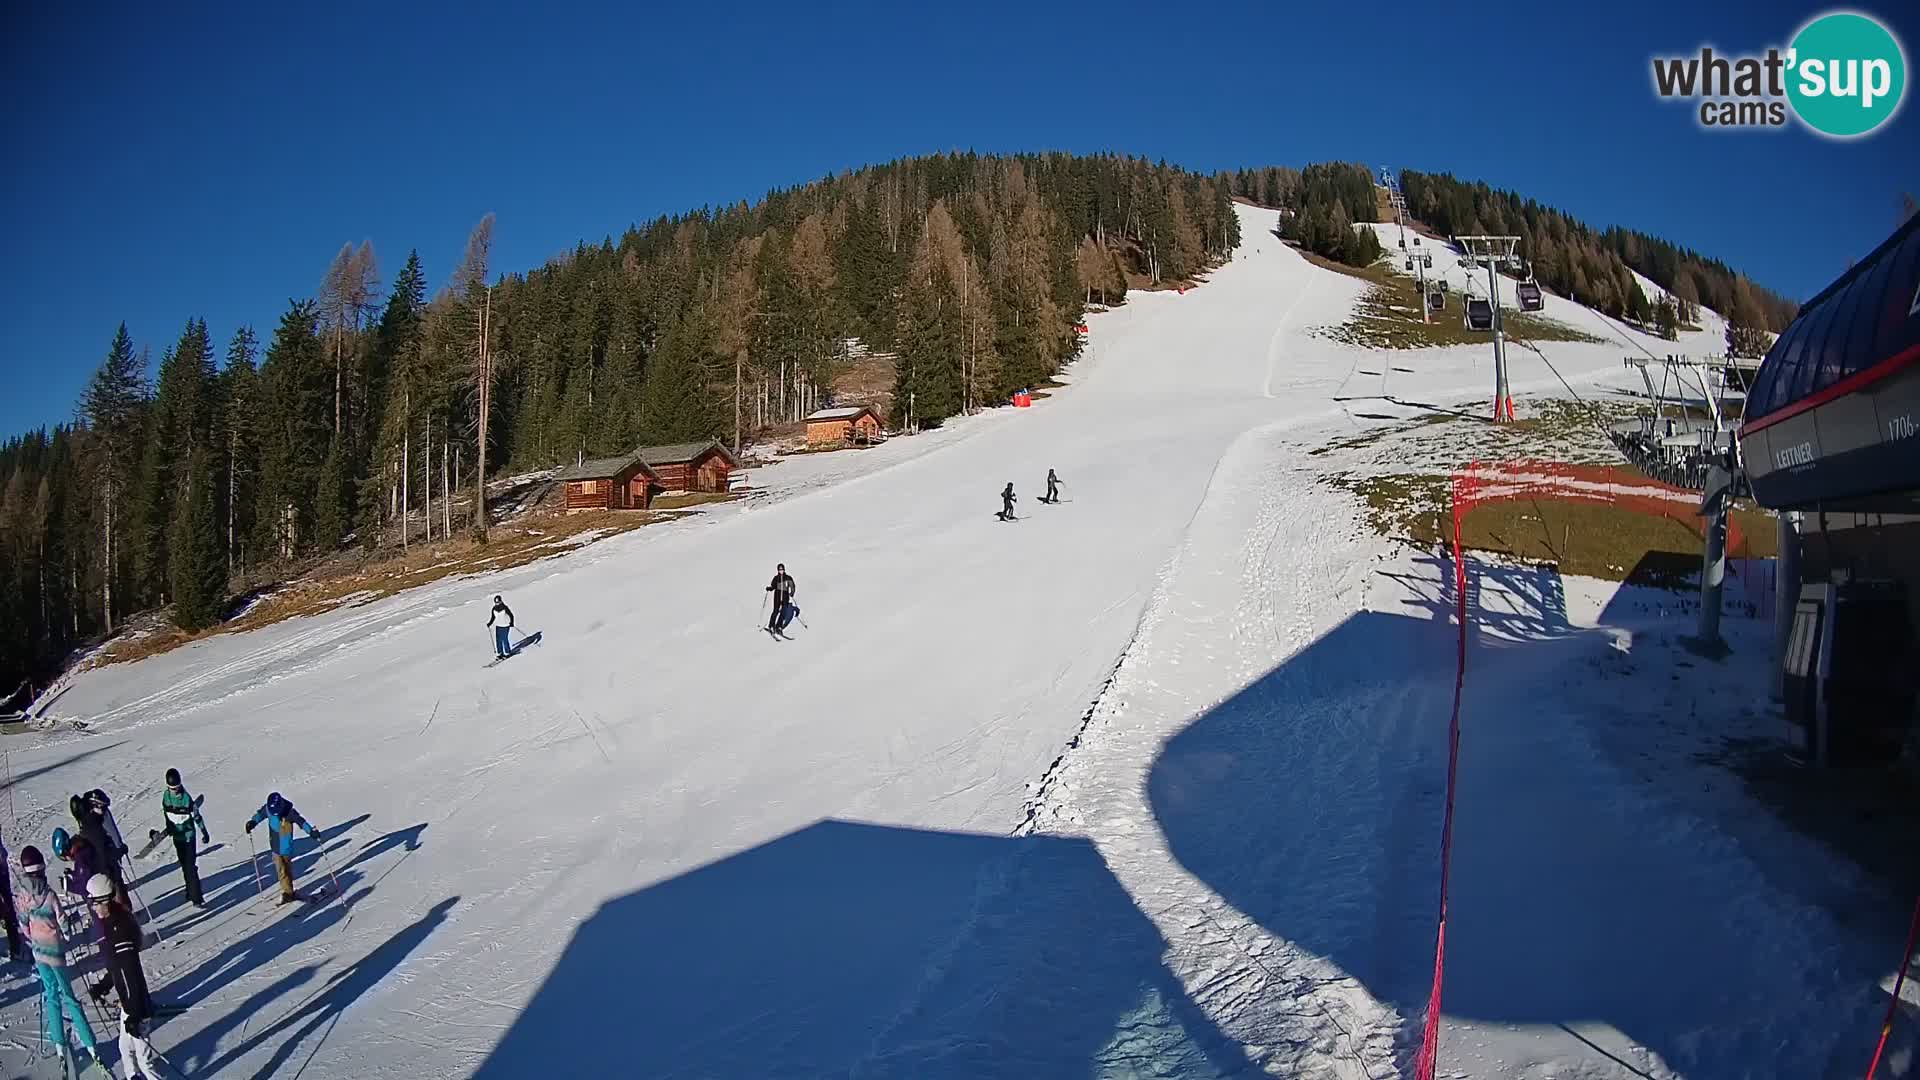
(281, 817)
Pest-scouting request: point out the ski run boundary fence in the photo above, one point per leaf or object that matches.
(1472, 486)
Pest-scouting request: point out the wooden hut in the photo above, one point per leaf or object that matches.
(615, 483)
(701, 466)
(837, 427)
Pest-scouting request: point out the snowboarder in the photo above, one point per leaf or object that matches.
(181, 818)
(6, 907)
(1053, 488)
(93, 828)
(783, 590)
(44, 921)
(281, 817)
(1006, 503)
(120, 945)
(501, 620)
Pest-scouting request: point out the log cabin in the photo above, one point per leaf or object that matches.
(700, 466)
(838, 427)
(615, 483)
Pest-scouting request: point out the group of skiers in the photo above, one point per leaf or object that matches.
(94, 882)
(1007, 496)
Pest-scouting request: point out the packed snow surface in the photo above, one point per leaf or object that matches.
(1141, 784)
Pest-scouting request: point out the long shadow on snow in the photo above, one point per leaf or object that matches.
(238, 882)
(70, 759)
(850, 949)
(324, 1004)
(1311, 802)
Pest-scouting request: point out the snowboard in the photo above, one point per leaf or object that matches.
(1007, 517)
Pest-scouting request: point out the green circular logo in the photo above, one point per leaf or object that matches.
(1847, 74)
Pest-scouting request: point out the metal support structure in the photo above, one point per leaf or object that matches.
(1786, 596)
(1399, 203)
(1494, 250)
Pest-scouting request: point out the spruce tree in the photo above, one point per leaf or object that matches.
(197, 563)
(113, 405)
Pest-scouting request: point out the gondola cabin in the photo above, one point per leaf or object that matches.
(706, 466)
(615, 483)
(1478, 313)
(1832, 431)
(1530, 297)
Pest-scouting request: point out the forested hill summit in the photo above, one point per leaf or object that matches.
(969, 271)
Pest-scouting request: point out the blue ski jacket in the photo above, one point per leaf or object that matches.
(281, 826)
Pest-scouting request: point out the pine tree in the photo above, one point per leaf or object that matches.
(197, 564)
(1666, 319)
(239, 397)
(113, 405)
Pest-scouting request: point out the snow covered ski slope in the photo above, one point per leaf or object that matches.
(665, 844)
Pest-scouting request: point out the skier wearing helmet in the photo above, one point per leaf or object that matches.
(181, 816)
(83, 862)
(120, 945)
(42, 917)
(281, 817)
(501, 620)
(93, 829)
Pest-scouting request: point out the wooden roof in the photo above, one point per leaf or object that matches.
(682, 452)
(851, 413)
(602, 468)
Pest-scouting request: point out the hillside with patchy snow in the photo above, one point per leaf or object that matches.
(1144, 783)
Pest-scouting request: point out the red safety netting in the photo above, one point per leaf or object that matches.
(1899, 981)
(1467, 489)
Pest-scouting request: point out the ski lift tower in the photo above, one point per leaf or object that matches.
(1495, 251)
(1398, 201)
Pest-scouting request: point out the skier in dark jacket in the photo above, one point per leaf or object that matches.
(93, 828)
(501, 620)
(1006, 502)
(120, 946)
(84, 863)
(783, 589)
(6, 907)
(281, 817)
(181, 817)
(1053, 488)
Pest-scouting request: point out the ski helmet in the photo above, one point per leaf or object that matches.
(496, 598)
(276, 805)
(173, 777)
(782, 567)
(99, 887)
(99, 795)
(31, 861)
(62, 843)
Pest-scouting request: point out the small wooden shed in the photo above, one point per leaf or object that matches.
(701, 466)
(615, 483)
(836, 427)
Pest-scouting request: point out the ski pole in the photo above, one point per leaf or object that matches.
(162, 1059)
(328, 863)
(253, 860)
(151, 921)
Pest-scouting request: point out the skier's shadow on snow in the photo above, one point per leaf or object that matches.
(290, 1023)
(238, 881)
(848, 948)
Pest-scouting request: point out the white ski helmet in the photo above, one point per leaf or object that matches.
(99, 887)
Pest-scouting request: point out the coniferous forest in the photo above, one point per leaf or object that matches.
(337, 419)
(223, 459)
(1590, 265)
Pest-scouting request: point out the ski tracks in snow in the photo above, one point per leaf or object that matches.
(1259, 576)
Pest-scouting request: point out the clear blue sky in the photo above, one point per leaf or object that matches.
(170, 161)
